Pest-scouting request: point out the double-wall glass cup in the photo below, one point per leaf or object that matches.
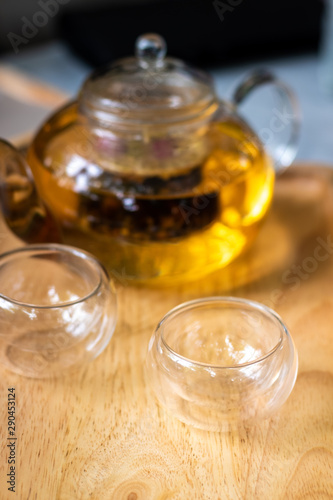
(57, 309)
(221, 362)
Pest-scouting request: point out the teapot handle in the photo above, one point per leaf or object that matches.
(285, 117)
(24, 212)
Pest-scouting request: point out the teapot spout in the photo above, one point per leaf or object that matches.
(24, 212)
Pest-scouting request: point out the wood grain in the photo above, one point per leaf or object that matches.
(99, 433)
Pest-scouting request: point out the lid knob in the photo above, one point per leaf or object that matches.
(150, 49)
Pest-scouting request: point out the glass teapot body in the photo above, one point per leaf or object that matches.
(164, 202)
(161, 186)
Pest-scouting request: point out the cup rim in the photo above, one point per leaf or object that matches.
(61, 249)
(225, 299)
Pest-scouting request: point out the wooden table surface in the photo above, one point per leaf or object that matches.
(99, 433)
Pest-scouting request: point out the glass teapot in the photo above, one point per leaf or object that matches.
(148, 170)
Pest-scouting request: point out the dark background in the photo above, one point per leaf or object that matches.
(199, 31)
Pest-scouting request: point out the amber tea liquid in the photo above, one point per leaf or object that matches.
(161, 229)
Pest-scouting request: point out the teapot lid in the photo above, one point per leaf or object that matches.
(147, 89)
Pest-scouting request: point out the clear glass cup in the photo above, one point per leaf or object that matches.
(220, 362)
(57, 309)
